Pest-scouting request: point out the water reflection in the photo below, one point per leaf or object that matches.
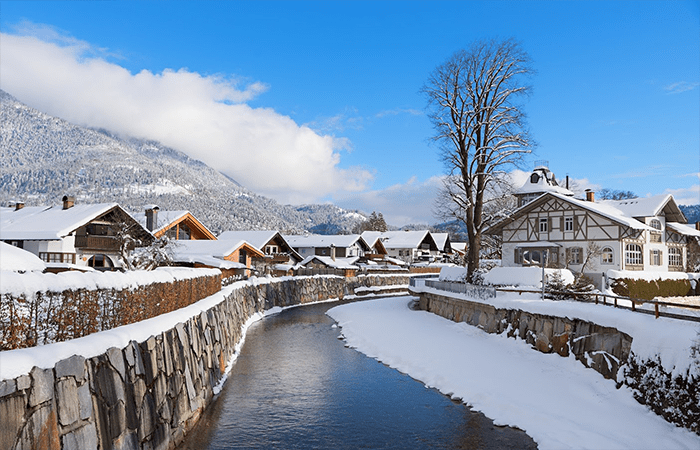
(296, 386)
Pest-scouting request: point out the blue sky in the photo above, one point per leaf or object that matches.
(319, 101)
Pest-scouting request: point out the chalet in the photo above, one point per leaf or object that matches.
(347, 266)
(333, 246)
(442, 240)
(177, 225)
(409, 246)
(278, 255)
(233, 258)
(72, 236)
(649, 234)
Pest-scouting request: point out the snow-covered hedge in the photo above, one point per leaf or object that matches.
(524, 276)
(649, 285)
(40, 308)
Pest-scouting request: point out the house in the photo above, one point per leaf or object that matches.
(442, 240)
(333, 246)
(177, 225)
(649, 234)
(233, 258)
(345, 265)
(408, 246)
(278, 255)
(72, 236)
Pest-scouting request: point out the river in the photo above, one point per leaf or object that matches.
(296, 386)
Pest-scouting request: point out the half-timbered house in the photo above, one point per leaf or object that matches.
(592, 237)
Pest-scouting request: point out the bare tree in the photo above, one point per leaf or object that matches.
(479, 126)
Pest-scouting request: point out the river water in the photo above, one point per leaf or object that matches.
(296, 386)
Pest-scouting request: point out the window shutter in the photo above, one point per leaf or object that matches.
(561, 223)
(575, 224)
(517, 256)
(549, 224)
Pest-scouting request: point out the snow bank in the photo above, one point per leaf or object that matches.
(557, 401)
(524, 276)
(455, 273)
(648, 275)
(28, 284)
(15, 259)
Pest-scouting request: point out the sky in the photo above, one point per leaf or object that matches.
(314, 102)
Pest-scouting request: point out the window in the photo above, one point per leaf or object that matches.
(607, 256)
(543, 224)
(576, 253)
(633, 255)
(568, 224)
(656, 257)
(243, 257)
(675, 257)
(655, 223)
(271, 250)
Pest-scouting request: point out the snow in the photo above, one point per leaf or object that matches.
(18, 260)
(524, 276)
(560, 403)
(29, 283)
(454, 273)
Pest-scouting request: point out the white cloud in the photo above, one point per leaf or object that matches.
(411, 202)
(686, 196)
(681, 86)
(203, 116)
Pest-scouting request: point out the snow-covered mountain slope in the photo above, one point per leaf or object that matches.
(45, 158)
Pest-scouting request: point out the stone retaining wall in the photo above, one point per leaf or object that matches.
(149, 394)
(603, 349)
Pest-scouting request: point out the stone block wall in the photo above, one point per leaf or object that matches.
(148, 395)
(603, 349)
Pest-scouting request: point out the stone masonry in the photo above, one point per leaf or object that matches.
(148, 395)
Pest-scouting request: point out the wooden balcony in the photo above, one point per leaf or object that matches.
(97, 243)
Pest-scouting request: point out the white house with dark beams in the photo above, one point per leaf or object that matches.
(649, 234)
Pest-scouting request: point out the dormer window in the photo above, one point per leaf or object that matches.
(534, 178)
(655, 223)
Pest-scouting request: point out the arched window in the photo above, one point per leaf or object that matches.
(655, 223)
(675, 257)
(633, 255)
(100, 262)
(607, 257)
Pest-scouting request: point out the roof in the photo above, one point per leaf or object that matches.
(441, 240)
(544, 182)
(321, 240)
(405, 239)
(338, 263)
(168, 219)
(649, 207)
(220, 248)
(605, 209)
(683, 229)
(46, 223)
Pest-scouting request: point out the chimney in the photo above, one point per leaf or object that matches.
(590, 196)
(152, 217)
(68, 202)
(19, 205)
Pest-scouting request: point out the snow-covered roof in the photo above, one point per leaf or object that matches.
(681, 228)
(48, 223)
(649, 207)
(257, 238)
(405, 239)
(605, 209)
(441, 240)
(219, 248)
(338, 263)
(542, 180)
(320, 240)
(17, 260)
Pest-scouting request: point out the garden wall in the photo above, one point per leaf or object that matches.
(149, 394)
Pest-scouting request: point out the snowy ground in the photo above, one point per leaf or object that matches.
(556, 400)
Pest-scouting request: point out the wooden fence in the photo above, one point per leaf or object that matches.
(614, 300)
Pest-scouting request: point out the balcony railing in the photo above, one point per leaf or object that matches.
(103, 243)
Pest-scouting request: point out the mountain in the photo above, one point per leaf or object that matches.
(45, 158)
(691, 212)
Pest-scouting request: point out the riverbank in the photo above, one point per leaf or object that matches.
(556, 400)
